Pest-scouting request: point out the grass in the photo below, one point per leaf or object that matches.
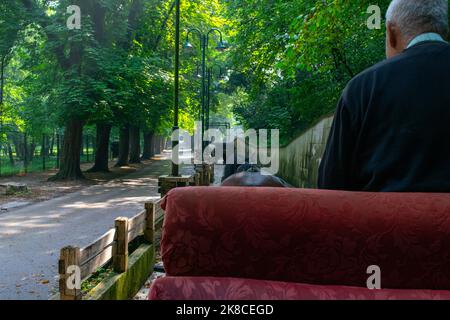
(35, 165)
(102, 273)
(95, 278)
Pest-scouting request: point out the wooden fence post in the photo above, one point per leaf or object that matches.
(120, 248)
(207, 175)
(199, 169)
(149, 231)
(211, 173)
(197, 179)
(69, 256)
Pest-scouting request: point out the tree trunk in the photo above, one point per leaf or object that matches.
(148, 152)
(161, 144)
(154, 144)
(82, 147)
(44, 144)
(102, 148)
(157, 145)
(70, 157)
(135, 145)
(124, 146)
(52, 145)
(31, 148)
(18, 144)
(10, 153)
(25, 152)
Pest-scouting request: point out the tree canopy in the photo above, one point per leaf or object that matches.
(293, 58)
(287, 64)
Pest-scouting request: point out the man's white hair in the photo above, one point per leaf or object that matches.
(414, 17)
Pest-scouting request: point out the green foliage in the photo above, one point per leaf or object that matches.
(117, 69)
(295, 56)
(287, 65)
(11, 21)
(98, 276)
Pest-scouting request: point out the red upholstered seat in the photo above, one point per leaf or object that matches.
(208, 288)
(313, 237)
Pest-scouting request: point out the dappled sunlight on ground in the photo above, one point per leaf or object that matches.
(31, 236)
(108, 203)
(40, 189)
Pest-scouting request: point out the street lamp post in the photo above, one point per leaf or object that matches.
(175, 155)
(166, 183)
(204, 44)
(2, 89)
(176, 180)
(2, 72)
(208, 93)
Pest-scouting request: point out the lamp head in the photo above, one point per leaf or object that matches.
(188, 46)
(222, 46)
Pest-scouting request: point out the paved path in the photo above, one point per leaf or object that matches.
(30, 237)
(144, 291)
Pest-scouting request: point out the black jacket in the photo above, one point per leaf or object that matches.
(391, 130)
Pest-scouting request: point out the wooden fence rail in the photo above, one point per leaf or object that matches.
(112, 246)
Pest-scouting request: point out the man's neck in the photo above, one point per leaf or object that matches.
(430, 36)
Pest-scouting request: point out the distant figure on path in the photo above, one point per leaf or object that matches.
(391, 130)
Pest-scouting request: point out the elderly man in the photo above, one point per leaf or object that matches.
(392, 125)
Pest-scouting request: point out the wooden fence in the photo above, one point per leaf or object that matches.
(111, 247)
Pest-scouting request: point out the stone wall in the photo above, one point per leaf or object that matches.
(300, 160)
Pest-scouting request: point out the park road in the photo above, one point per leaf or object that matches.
(31, 237)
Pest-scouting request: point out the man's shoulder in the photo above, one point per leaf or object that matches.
(404, 60)
(368, 74)
(372, 80)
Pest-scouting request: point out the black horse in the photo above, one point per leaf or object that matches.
(248, 175)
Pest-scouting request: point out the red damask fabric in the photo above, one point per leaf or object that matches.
(207, 288)
(308, 236)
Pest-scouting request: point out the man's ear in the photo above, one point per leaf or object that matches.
(392, 35)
